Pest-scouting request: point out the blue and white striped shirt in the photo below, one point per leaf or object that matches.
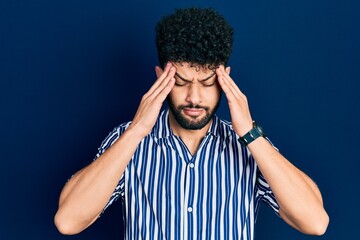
(170, 194)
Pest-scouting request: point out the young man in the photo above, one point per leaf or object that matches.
(183, 173)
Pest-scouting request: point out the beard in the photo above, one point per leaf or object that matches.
(193, 123)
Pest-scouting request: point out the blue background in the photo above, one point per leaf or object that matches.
(70, 71)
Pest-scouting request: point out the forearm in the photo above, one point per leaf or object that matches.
(298, 196)
(87, 192)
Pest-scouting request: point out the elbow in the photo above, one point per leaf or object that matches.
(64, 225)
(318, 226)
(310, 224)
(321, 225)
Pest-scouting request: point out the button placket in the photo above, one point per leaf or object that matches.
(190, 186)
(191, 173)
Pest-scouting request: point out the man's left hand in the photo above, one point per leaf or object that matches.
(238, 104)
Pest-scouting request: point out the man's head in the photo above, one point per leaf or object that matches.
(196, 41)
(198, 36)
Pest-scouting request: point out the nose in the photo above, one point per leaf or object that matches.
(193, 94)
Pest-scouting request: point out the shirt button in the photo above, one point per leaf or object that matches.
(190, 209)
(192, 165)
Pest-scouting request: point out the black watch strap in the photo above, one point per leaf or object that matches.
(253, 134)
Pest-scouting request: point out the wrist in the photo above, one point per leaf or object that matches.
(136, 132)
(246, 128)
(254, 133)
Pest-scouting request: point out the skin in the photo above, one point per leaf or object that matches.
(196, 88)
(299, 198)
(87, 192)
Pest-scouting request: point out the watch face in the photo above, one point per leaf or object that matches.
(259, 129)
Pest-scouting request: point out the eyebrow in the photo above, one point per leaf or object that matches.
(178, 75)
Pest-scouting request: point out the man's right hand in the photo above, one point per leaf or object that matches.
(85, 195)
(150, 105)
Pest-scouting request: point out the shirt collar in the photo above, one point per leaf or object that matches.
(162, 127)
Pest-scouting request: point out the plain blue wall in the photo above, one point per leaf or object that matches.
(70, 71)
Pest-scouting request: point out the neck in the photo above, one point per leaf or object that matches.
(191, 138)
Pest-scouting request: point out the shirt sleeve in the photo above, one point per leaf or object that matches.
(264, 193)
(106, 143)
(263, 190)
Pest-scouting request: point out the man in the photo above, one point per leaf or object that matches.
(183, 173)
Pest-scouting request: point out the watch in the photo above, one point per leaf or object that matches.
(253, 134)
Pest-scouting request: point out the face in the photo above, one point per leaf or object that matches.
(195, 97)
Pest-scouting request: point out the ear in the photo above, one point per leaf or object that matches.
(227, 70)
(158, 71)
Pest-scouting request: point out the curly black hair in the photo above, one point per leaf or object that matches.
(201, 37)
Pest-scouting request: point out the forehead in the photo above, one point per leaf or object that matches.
(192, 72)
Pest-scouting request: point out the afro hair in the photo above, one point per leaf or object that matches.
(201, 37)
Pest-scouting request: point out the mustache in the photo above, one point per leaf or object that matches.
(181, 107)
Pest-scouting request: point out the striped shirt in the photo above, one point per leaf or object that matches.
(170, 194)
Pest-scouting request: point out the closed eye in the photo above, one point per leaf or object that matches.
(180, 83)
(207, 82)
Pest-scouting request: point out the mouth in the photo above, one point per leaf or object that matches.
(193, 112)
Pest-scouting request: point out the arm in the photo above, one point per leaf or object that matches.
(87, 192)
(299, 199)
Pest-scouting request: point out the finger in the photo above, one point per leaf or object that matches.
(227, 90)
(231, 83)
(232, 92)
(225, 85)
(227, 70)
(163, 84)
(159, 71)
(225, 73)
(162, 77)
(160, 74)
(166, 90)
